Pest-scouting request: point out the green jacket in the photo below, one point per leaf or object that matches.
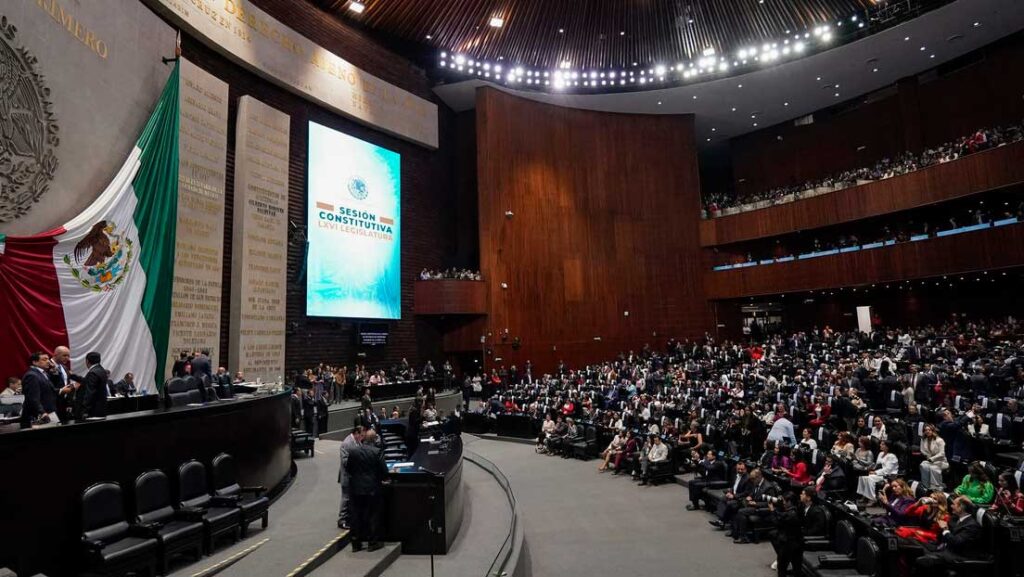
(978, 493)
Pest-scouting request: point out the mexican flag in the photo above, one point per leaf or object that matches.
(102, 282)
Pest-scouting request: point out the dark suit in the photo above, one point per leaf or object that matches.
(711, 473)
(93, 394)
(367, 471)
(727, 507)
(962, 541)
(752, 513)
(202, 369)
(814, 522)
(35, 385)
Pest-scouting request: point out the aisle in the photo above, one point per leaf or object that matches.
(580, 522)
(301, 521)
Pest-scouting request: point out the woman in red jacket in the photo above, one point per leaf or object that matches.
(922, 529)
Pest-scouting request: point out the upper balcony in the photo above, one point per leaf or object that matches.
(967, 250)
(966, 176)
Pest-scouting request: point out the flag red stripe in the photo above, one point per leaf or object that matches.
(33, 315)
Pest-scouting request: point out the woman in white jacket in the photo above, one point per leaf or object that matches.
(933, 448)
(885, 464)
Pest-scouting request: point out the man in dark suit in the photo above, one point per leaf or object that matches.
(754, 508)
(734, 497)
(178, 369)
(960, 539)
(367, 473)
(202, 368)
(94, 390)
(813, 515)
(35, 385)
(711, 472)
(126, 386)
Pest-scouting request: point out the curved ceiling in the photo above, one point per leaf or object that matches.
(593, 33)
(728, 107)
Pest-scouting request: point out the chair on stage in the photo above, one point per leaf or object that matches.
(154, 514)
(220, 517)
(111, 546)
(253, 507)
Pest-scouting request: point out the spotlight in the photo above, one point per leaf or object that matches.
(659, 70)
(357, 7)
(497, 22)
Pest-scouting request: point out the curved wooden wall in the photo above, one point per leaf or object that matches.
(969, 175)
(987, 249)
(450, 297)
(605, 212)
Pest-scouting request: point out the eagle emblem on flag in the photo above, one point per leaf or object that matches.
(100, 261)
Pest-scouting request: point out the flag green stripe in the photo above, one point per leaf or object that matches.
(156, 216)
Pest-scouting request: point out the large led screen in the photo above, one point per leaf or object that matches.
(354, 260)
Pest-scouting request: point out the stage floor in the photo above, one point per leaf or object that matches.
(581, 522)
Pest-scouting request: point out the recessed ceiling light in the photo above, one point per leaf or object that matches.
(931, 56)
(976, 24)
(922, 49)
(659, 103)
(357, 7)
(906, 38)
(497, 22)
(622, 33)
(429, 37)
(734, 109)
(709, 139)
(874, 70)
(695, 97)
(561, 30)
(755, 124)
(818, 78)
(739, 86)
(837, 94)
(713, 129)
(785, 104)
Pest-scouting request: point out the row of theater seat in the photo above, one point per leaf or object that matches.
(165, 524)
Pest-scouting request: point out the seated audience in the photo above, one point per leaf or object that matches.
(960, 539)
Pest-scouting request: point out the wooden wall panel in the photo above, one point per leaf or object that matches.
(969, 175)
(428, 226)
(937, 106)
(605, 211)
(988, 249)
(450, 297)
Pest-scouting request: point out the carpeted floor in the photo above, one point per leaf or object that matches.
(580, 522)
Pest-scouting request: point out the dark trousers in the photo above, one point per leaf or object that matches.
(789, 557)
(696, 488)
(727, 510)
(364, 518)
(744, 517)
(933, 563)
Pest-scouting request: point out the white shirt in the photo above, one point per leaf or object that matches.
(658, 452)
